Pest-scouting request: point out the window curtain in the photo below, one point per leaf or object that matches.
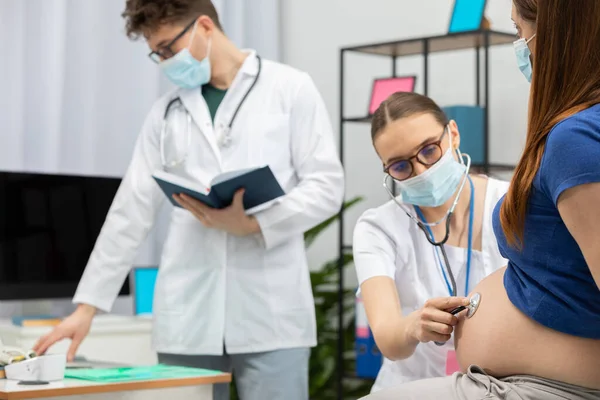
(75, 90)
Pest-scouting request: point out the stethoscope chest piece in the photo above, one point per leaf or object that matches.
(474, 302)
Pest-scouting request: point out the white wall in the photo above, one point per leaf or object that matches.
(314, 32)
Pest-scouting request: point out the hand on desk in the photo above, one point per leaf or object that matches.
(75, 327)
(232, 219)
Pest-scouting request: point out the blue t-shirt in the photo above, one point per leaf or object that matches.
(549, 280)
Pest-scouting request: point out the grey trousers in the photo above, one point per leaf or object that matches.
(477, 385)
(272, 375)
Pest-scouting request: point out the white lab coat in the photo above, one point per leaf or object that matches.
(253, 293)
(387, 243)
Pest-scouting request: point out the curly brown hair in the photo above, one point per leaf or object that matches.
(145, 16)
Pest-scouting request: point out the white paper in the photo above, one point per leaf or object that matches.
(180, 181)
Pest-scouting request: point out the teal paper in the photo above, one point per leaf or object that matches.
(132, 374)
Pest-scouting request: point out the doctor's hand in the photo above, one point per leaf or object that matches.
(434, 322)
(232, 219)
(75, 327)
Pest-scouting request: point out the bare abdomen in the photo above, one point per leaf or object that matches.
(503, 341)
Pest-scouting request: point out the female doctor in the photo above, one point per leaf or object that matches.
(233, 291)
(407, 284)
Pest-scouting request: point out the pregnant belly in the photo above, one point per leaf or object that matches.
(503, 341)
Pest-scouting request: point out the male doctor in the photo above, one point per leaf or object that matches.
(233, 292)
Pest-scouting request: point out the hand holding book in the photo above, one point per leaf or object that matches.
(232, 219)
(229, 203)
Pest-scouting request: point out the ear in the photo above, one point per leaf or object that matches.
(454, 134)
(206, 25)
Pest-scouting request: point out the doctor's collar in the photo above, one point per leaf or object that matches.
(250, 65)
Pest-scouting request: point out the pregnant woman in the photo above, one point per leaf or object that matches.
(536, 333)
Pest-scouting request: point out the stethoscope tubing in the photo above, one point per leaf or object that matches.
(439, 244)
(177, 99)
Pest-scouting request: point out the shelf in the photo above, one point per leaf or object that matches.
(358, 119)
(436, 44)
(495, 167)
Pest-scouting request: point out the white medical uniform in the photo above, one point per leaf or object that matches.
(249, 294)
(388, 243)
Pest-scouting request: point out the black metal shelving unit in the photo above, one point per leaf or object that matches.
(480, 41)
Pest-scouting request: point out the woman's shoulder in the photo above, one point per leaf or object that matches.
(387, 221)
(582, 126)
(384, 217)
(571, 153)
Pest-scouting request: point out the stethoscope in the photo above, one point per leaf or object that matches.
(225, 137)
(426, 228)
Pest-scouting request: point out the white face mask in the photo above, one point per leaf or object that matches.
(436, 185)
(524, 56)
(184, 70)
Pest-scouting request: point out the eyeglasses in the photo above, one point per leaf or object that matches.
(428, 155)
(165, 51)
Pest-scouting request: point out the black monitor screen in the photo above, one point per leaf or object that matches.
(48, 227)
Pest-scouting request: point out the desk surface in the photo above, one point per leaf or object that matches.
(68, 387)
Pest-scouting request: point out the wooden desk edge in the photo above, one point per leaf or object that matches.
(116, 387)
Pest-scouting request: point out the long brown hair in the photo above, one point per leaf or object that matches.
(566, 80)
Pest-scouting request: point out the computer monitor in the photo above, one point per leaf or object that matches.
(467, 15)
(49, 224)
(384, 87)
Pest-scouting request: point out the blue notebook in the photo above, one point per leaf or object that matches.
(260, 185)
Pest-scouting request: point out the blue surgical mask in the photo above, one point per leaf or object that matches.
(184, 70)
(524, 56)
(435, 186)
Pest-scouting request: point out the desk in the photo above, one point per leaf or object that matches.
(200, 388)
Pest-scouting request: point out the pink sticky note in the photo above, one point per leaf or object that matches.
(451, 363)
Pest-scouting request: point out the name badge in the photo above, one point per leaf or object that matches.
(451, 363)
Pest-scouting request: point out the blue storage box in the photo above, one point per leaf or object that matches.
(470, 121)
(368, 356)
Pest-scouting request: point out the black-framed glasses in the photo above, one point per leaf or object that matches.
(165, 52)
(427, 155)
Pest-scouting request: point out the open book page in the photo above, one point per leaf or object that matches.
(225, 176)
(181, 181)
